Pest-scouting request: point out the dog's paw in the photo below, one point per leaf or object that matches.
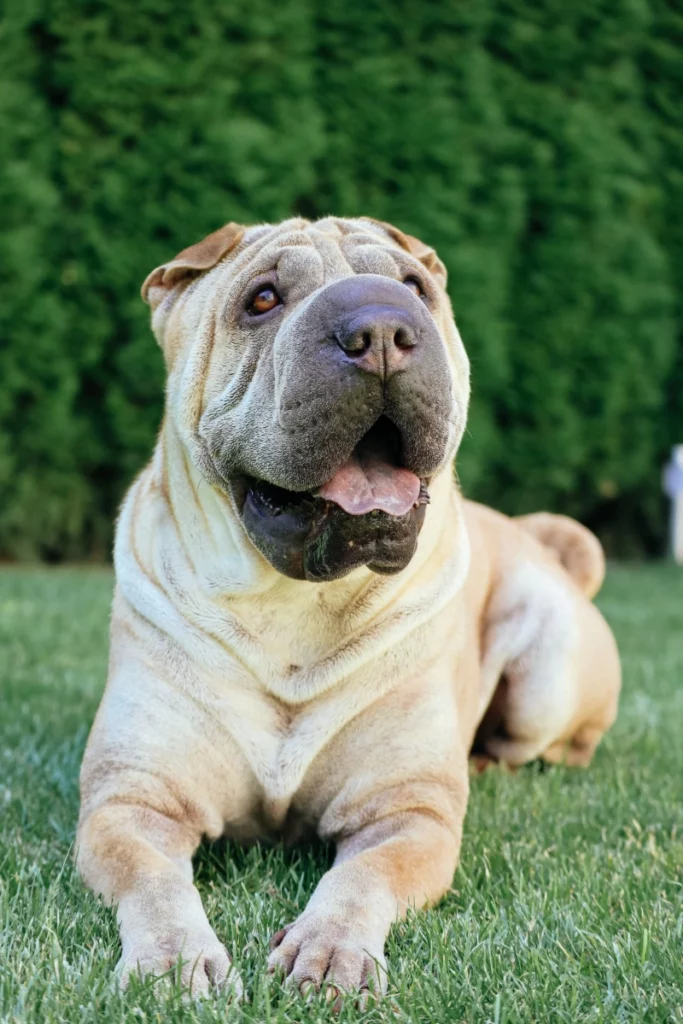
(197, 963)
(319, 951)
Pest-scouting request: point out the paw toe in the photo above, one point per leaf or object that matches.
(198, 967)
(316, 954)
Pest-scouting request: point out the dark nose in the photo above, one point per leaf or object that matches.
(379, 338)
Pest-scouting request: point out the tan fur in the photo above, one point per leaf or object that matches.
(245, 703)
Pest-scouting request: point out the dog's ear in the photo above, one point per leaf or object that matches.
(415, 247)
(190, 262)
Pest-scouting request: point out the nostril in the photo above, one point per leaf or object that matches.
(404, 338)
(355, 344)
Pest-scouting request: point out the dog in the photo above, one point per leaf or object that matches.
(310, 624)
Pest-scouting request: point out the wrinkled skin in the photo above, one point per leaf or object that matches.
(287, 398)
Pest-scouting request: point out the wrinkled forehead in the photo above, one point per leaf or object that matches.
(321, 251)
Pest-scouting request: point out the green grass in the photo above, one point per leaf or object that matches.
(566, 907)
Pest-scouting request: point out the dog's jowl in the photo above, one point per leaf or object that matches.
(310, 623)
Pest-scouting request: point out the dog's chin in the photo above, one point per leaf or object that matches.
(310, 538)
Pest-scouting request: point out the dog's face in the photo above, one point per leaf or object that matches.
(316, 375)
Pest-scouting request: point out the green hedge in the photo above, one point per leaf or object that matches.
(538, 145)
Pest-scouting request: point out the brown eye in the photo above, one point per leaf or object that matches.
(414, 285)
(264, 300)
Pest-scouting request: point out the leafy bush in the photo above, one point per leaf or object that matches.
(538, 146)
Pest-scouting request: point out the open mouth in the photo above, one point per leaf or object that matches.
(369, 512)
(372, 480)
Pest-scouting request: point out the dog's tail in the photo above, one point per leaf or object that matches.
(579, 550)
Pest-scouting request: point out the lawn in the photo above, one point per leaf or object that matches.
(566, 907)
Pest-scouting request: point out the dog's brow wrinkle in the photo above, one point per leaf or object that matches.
(326, 227)
(360, 238)
(328, 236)
(295, 238)
(252, 234)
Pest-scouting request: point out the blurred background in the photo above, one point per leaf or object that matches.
(538, 145)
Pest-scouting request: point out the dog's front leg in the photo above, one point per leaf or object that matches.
(404, 860)
(139, 859)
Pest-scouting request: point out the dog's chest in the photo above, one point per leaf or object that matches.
(290, 694)
(281, 683)
(280, 742)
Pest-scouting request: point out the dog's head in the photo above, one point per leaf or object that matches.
(315, 373)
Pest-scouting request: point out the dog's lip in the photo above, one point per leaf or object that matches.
(274, 499)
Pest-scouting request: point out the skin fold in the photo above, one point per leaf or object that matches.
(257, 690)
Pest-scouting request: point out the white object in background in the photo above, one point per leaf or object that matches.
(673, 485)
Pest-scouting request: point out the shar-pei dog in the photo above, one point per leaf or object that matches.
(310, 624)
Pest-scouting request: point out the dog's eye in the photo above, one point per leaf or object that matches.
(414, 285)
(266, 298)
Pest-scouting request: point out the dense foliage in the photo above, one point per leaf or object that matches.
(537, 145)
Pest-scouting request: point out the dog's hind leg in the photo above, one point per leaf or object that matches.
(559, 671)
(528, 665)
(577, 751)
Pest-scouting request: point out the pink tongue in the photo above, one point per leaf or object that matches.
(362, 485)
